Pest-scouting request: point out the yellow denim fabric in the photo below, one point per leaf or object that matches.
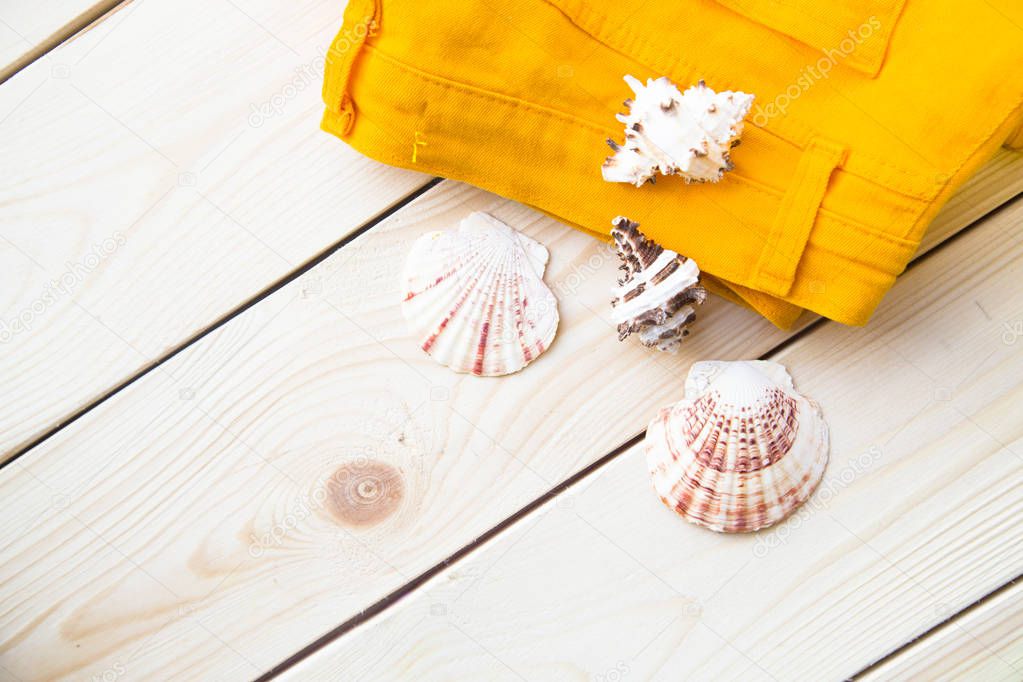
(869, 114)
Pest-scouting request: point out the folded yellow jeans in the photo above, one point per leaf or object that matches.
(869, 115)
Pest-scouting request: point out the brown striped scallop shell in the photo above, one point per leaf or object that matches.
(741, 451)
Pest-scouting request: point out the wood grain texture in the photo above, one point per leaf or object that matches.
(29, 28)
(160, 170)
(204, 522)
(916, 518)
(985, 643)
(217, 483)
(131, 221)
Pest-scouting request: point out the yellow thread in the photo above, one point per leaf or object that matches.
(415, 146)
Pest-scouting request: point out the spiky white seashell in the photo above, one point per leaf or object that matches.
(475, 297)
(658, 296)
(741, 451)
(669, 132)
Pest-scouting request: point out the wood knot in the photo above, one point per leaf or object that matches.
(365, 492)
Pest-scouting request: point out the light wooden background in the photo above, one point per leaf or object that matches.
(201, 331)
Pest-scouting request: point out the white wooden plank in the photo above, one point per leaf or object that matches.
(985, 643)
(917, 518)
(184, 526)
(202, 197)
(28, 27)
(193, 472)
(160, 170)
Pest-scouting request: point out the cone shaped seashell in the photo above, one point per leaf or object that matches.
(741, 451)
(475, 297)
(658, 295)
(668, 132)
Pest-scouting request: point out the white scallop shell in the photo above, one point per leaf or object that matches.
(675, 133)
(741, 451)
(475, 297)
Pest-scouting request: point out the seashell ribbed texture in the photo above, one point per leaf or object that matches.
(668, 132)
(475, 297)
(741, 451)
(658, 295)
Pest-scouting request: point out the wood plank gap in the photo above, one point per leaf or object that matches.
(990, 596)
(188, 185)
(418, 645)
(303, 350)
(407, 588)
(921, 258)
(224, 319)
(95, 14)
(410, 586)
(918, 260)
